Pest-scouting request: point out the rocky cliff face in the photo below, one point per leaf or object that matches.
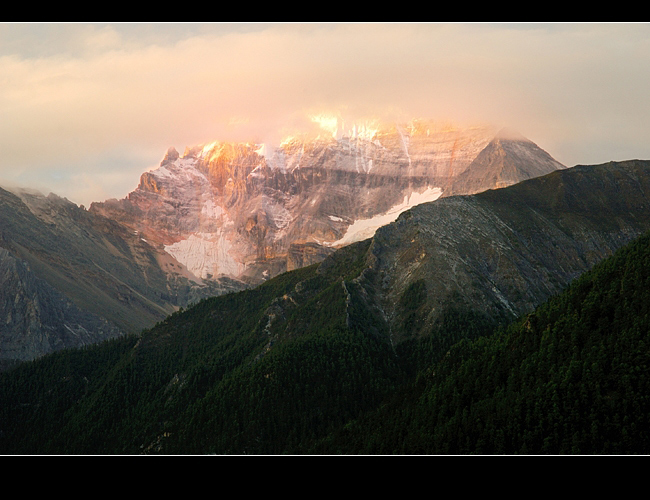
(38, 319)
(508, 159)
(250, 211)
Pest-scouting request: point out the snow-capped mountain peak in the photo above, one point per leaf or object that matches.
(245, 210)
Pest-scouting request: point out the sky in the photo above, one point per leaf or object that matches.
(85, 109)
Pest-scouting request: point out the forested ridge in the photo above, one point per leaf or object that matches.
(573, 377)
(299, 365)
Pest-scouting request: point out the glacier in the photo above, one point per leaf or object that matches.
(365, 228)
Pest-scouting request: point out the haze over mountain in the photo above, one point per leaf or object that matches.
(93, 105)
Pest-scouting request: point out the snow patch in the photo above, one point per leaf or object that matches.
(365, 228)
(162, 172)
(206, 254)
(182, 169)
(256, 172)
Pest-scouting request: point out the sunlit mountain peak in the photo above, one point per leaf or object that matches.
(327, 122)
(336, 127)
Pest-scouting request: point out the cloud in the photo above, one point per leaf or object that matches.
(103, 102)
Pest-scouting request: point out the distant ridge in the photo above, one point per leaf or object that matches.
(506, 160)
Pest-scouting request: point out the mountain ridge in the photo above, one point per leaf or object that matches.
(98, 265)
(515, 246)
(255, 206)
(569, 377)
(502, 163)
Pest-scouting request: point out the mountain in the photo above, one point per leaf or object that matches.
(508, 159)
(226, 216)
(501, 252)
(305, 358)
(251, 211)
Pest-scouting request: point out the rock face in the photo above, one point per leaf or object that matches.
(38, 319)
(249, 211)
(507, 160)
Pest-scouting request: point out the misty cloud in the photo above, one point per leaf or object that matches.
(102, 103)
